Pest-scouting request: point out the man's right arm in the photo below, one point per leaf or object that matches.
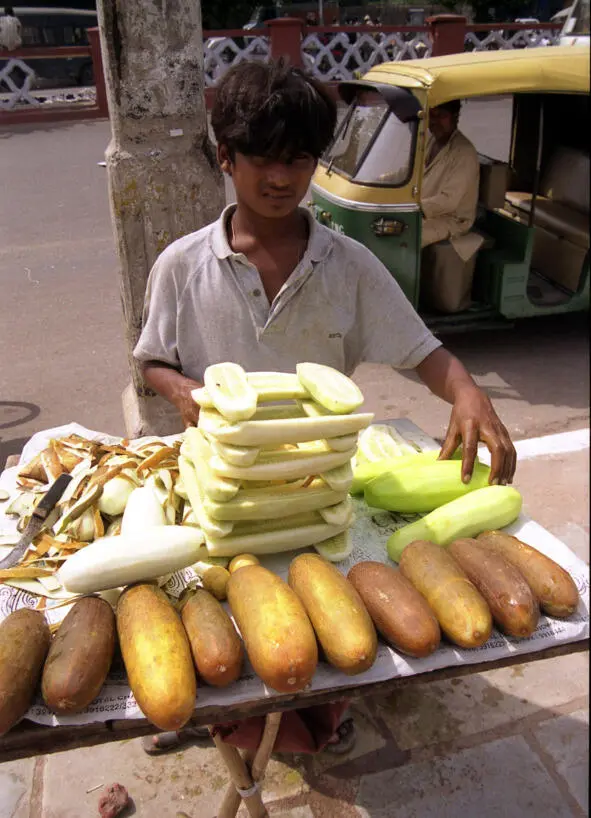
(175, 387)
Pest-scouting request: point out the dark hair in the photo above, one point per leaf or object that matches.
(272, 109)
(9, 11)
(453, 106)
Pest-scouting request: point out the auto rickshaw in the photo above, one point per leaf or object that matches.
(533, 212)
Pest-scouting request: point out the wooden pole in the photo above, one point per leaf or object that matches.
(257, 760)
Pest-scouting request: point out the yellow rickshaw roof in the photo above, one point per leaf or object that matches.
(559, 69)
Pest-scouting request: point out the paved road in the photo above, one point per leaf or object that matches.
(511, 742)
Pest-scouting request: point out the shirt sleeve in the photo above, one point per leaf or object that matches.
(388, 330)
(158, 339)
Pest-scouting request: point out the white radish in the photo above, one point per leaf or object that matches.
(143, 510)
(110, 562)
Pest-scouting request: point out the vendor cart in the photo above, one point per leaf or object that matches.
(114, 715)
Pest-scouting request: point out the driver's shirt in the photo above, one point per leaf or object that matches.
(341, 307)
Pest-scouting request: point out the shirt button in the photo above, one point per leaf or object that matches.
(256, 292)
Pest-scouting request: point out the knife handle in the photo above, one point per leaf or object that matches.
(47, 503)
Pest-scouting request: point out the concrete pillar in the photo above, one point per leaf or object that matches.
(164, 181)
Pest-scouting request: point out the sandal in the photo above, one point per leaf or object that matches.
(165, 742)
(343, 739)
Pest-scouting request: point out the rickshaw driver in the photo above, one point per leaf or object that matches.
(449, 193)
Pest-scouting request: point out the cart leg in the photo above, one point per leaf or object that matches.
(257, 761)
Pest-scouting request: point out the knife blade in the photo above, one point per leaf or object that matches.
(42, 511)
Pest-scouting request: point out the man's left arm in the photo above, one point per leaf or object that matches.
(473, 417)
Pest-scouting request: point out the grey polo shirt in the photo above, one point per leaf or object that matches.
(206, 304)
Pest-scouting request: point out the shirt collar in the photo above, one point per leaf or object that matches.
(320, 241)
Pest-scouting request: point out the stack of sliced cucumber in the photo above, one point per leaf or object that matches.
(269, 467)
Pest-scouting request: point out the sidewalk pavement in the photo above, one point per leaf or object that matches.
(511, 742)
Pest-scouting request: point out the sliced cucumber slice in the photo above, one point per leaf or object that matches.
(230, 391)
(330, 388)
(336, 548)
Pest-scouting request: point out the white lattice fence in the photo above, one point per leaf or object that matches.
(221, 53)
(506, 39)
(340, 55)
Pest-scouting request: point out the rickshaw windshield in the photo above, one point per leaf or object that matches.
(372, 146)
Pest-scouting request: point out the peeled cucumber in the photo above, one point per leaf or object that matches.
(487, 508)
(288, 465)
(330, 388)
(336, 548)
(424, 488)
(230, 391)
(264, 432)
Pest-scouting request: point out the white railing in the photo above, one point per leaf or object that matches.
(221, 53)
(331, 54)
(487, 39)
(341, 55)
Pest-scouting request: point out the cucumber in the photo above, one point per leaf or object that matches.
(230, 391)
(272, 542)
(196, 448)
(341, 514)
(269, 386)
(487, 508)
(277, 386)
(379, 441)
(288, 465)
(196, 494)
(342, 442)
(339, 479)
(266, 504)
(336, 548)
(266, 431)
(330, 388)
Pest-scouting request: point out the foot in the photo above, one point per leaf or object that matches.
(343, 739)
(164, 742)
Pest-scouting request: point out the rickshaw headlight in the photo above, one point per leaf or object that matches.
(388, 227)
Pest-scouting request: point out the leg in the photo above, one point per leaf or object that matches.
(163, 742)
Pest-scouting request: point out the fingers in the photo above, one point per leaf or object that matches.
(503, 455)
(513, 463)
(469, 449)
(451, 442)
(510, 458)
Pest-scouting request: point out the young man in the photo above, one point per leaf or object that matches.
(266, 286)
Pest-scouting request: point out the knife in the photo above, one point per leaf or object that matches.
(42, 511)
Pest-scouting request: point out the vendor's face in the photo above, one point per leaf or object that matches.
(269, 187)
(442, 123)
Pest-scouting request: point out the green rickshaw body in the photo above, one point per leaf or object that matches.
(534, 259)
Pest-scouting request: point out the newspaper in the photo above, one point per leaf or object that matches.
(369, 534)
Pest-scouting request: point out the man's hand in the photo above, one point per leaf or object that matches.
(473, 419)
(188, 409)
(175, 387)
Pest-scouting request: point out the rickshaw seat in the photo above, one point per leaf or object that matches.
(562, 208)
(555, 217)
